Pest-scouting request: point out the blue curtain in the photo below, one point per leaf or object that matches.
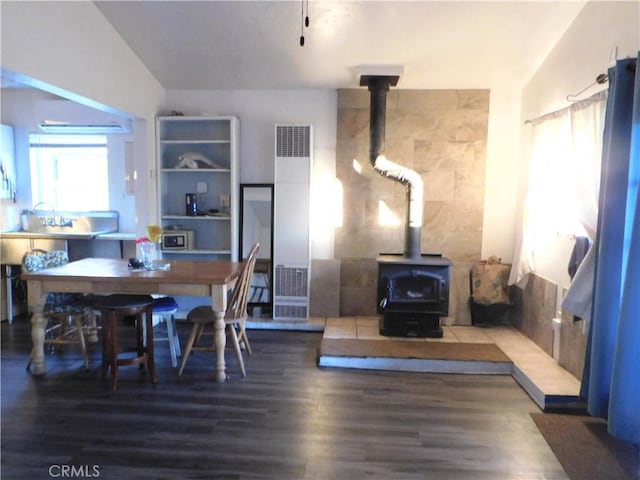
(611, 379)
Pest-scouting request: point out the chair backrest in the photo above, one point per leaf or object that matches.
(37, 259)
(237, 307)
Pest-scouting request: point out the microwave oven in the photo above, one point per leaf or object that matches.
(178, 240)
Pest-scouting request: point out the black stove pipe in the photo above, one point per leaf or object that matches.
(378, 86)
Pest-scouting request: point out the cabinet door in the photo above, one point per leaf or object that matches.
(7, 163)
(13, 249)
(49, 244)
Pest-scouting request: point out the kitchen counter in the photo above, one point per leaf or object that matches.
(102, 243)
(58, 235)
(122, 236)
(63, 225)
(15, 243)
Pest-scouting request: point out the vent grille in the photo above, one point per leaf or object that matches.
(292, 140)
(291, 282)
(83, 129)
(290, 311)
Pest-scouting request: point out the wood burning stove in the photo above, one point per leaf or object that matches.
(413, 293)
(413, 289)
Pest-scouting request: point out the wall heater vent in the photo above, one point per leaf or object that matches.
(290, 311)
(291, 282)
(293, 140)
(291, 246)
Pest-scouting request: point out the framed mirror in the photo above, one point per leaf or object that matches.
(256, 225)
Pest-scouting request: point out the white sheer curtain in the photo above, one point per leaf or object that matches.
(562, 195)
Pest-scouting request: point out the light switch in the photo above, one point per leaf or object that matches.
(201, 187)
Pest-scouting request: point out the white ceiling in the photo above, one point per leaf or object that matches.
(255, 44)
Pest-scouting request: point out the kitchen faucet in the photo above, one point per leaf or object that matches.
(53, 220)
(57, 221)
(45, 204)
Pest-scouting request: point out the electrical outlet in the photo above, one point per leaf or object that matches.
(224, 200)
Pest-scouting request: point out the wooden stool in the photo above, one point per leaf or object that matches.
(118, 306)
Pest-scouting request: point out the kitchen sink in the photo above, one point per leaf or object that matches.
(47, 222)
(46, 229)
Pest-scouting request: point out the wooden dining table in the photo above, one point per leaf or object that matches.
(106, 276)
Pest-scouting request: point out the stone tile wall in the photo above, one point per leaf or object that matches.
(536, 309)
(573, 345)
(539, 308)
(325, 288)
(441, 134)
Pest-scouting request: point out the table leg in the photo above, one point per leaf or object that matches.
(221, 340)
(219, 306)
(9, 293)
(37, 300)
(151, 363)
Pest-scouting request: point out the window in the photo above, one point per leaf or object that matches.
(563, 190)
(69, 172)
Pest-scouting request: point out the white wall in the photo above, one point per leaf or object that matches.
(501, 187)
(259, 111)
(71, 46)
(583, 52)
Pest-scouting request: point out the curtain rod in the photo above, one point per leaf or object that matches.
(593, 98)
(600, 80)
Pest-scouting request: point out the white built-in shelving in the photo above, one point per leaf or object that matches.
(215, 227)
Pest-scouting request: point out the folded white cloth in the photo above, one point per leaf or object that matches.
(579, 297)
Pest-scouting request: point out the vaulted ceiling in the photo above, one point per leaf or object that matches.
(255, 44)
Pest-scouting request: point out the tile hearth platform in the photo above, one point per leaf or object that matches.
(546, 382)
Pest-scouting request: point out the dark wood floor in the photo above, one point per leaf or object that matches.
(288, 419)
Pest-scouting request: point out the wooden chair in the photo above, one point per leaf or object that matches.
(69, 315)
(234, 319)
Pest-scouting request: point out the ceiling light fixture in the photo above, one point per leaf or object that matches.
(304, 20)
